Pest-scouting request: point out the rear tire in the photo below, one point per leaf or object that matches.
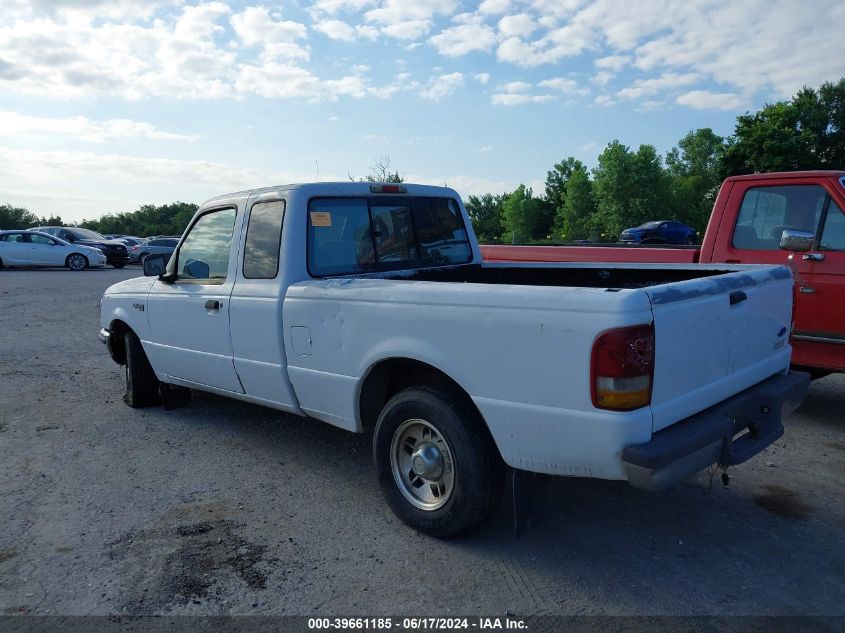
(75, 261)
(141, 381)
(436, 463)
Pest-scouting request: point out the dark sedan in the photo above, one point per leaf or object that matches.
(116, 253)
(660, 232)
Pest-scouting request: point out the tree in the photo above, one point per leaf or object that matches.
(380, 172)
(556, 187)
(575, 217)
(524, 217)
(694, 169)
(630, 188)
(807, 132)
(149, 219)
(16, 217)
(486, 215)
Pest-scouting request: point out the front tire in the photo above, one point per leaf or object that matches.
(141, 381)
(436, 463)
(75, 261)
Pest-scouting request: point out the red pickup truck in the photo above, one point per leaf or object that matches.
(794, 218)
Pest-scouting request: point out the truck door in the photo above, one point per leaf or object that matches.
(756, 215)
(189, 317)
(822, 290)
(255, 308)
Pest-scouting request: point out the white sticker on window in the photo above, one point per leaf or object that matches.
(321, 218)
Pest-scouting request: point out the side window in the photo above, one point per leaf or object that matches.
(441, 233)
(339, 236)
(206, 250)
(767, 211)
(263, 240)
(170, 243)
(40, 239)
(155, 243)
(833, 233)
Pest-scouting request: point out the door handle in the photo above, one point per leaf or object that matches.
(738, 297)
(813, 257)
(212, 304)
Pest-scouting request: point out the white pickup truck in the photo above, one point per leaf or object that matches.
(367, 306)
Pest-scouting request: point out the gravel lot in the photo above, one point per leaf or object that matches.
(224, 507)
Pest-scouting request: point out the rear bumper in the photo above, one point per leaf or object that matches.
(710, 437)
(104, 335)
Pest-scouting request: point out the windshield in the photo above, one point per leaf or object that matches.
(649, 225)
(85, 234)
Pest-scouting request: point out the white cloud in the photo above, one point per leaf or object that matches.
(408, 20)
(472, 34)
(335, 29)
(485, 149)
(706, 100)
(84, 129)
(255, 25)
(518, 93)
(563, 84)
(646, 87)
(519, 25)
(442, 86)
(604, 100)
(494, 7)
(602, 78)
(613, 62)
(482, 78)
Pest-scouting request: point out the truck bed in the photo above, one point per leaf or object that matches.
(574, 275)
(611, 252)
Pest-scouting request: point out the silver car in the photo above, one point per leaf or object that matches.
(164, 245)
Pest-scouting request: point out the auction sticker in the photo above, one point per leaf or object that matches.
(321, 218)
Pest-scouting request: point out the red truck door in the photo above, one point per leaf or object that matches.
(756, 214)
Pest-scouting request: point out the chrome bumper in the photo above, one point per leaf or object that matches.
(105, 335)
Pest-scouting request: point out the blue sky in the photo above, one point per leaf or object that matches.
(105, 105)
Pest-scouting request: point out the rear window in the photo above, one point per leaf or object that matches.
(358, 235)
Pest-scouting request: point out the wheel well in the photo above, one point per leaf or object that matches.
(117, 344)
(389, 377)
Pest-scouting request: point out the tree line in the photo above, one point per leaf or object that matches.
(626, 187)
(630, 186)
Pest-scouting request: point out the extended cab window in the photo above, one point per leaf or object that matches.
(767, 211)
(263, 240)
(205, 252)
(357, 235)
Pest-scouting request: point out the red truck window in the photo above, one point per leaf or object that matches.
(767, 211)
(833, 233)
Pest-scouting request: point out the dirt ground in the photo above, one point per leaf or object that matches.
(227, 508)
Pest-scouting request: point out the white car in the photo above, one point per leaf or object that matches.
(32, 248)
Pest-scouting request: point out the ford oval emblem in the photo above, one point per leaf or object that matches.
(781, 332)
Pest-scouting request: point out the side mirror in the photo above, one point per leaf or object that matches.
(197, 269)
(796, 241)
(154, 265)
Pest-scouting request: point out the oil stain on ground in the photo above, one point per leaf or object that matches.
(782, 501)
(185, 563)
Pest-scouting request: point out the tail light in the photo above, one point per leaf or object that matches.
(388, 189)
(622, 368)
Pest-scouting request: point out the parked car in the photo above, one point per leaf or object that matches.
(660, 232)
(644, 373)
(115, 251)
(164, 245)
(793, 218)
(129, 240)
(29, 248)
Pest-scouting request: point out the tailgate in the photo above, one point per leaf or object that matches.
(717, 336)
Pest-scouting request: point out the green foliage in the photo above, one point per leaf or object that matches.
(525, 218)
(575, 217)
(20, 218)
(694, 170)
(486, 215)
(805, 133)
(630, 188)
(149, 219)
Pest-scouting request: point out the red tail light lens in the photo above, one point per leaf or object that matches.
(622, 368)
(388, 189)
